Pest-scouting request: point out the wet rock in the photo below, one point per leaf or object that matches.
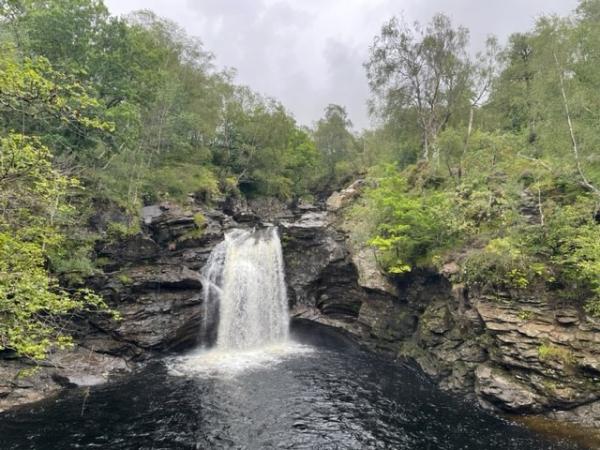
(567, 316)
(86, 367)
(587, 414)
(387, 318)
(161, 322)
(319, 269)
(496, 388)
(150, 213)
(136, 248)
(17, 389)
(155, 277)
(23, 382)
(270, 209)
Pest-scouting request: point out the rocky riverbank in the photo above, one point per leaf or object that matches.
(512, 352)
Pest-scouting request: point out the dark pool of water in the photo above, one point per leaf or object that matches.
(337, 397)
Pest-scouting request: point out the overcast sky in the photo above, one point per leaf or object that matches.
(309, 53)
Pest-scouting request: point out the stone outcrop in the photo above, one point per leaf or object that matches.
(511, 352)
(343, 198)
(552, 351)
(319, 268)
(24, 382)
(515, 353)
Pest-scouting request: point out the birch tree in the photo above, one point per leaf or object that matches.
(425, 69)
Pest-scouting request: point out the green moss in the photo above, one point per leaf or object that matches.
(200, 220)
(197, 232)
(525, 315)
(485, 340)
(124, 279)
(550, 352)
(103, 261)
(550, 385)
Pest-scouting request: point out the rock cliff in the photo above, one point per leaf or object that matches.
(512, 352)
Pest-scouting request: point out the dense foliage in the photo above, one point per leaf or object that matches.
(100, 110)
(35, 213)
(510, 189)
(489, 160)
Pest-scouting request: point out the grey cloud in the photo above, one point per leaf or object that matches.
(308, 53)
(346, 83)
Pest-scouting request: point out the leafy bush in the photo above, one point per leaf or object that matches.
(502, 264)
(32, 206)
(573, 243)
(410, 228)
(117, 231)
(179, 181)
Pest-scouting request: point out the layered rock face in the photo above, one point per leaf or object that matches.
(154, 280)
(515, 353)
(511, 352)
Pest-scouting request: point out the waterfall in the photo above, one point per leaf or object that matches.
(246, 309)
(245, 287)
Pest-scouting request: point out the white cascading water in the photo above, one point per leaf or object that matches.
(244, 277)
(245, 292)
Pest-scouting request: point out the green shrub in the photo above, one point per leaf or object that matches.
(198, 231)
(200, 220)
(552, 352)
(501, 264)
(177, 182)
(124, 279)
(410, 228)
(117, 231)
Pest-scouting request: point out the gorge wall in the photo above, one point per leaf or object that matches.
(511, 352)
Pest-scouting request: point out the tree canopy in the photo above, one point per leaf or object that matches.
(490, 159)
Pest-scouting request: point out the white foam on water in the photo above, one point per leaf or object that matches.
(219, 363)
(244, 281)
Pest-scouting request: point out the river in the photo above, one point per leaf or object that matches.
(320, 391)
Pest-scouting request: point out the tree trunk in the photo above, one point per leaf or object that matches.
(467, 139)
(574, 145)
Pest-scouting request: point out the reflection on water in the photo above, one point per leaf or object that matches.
(585, 436)
(332, 397)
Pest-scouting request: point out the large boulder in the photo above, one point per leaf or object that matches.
(345, 197)
(369, 273)
(500, 389)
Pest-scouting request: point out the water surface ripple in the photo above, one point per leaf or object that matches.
(332, 397)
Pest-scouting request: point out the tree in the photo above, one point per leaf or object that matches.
(513, 91)
(34, 205)
(336, 143)
(421, 69)
(261, 146)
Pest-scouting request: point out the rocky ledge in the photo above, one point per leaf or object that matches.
(154, 280)
(512, 352)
